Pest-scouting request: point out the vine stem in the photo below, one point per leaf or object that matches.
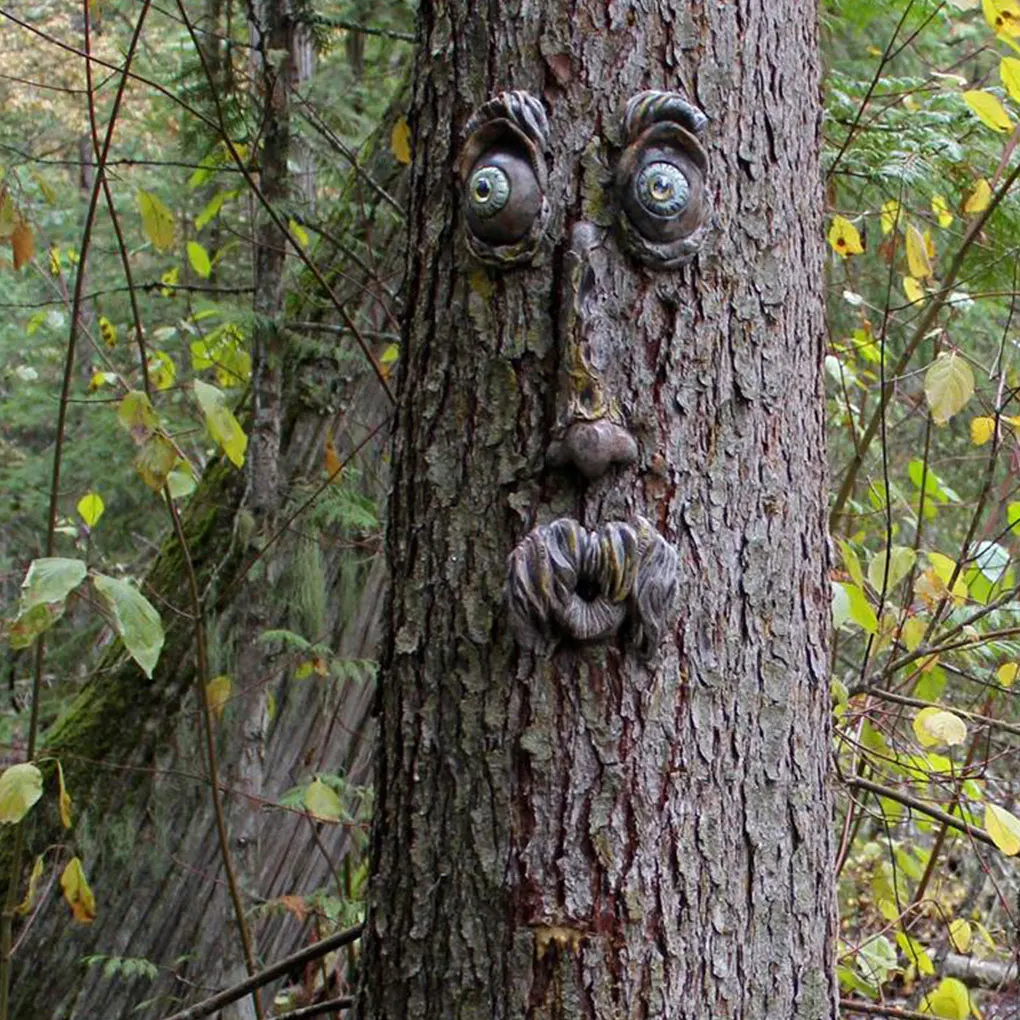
(13, 881)
(201, 682)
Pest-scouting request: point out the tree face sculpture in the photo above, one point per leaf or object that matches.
(566, 581)
(603, 689)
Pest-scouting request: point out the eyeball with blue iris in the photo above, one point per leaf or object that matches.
(502, 197)
(660, 186)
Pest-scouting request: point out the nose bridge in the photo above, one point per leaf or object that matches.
(582, 281)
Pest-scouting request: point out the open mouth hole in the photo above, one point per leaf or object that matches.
(588, 589)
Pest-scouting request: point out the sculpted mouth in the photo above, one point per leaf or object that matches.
(565, 581)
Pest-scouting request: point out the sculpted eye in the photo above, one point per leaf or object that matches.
(488, 190)
(502, 176)
(503, 198)
(661, 180)
(662, 189)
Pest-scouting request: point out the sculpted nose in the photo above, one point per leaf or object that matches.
(591, 435)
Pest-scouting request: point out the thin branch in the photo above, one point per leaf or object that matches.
(277, 970)
(11, 898)
(319, 1009)
(877, 1009)
(935, 305)
(858, 783)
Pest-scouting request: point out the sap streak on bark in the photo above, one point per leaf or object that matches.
(589, 836)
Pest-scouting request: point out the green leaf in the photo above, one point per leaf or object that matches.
(157, 220)
(135, 619)
(1003, 828)
(199, 259)
(322, 801)
(901, 559)
(90, 508)
(212, 207)
(20, 787)
(859, 610)
(299, 232)
(959, 929)
(50, 579)
(156, 459)
(948, 385)
(1013, 516)
(22, 631)
(221, 423)
(949, 1001)
(851, 562)
(136, 414)
(915, 952)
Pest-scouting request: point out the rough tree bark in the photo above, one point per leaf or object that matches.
(586, 835)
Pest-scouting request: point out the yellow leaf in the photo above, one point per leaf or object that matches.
(299, 232)
(136, 414)
(1006, 674)
(981, 430)
(221, 423)
(400, 141)
(162, 371)
(940, 207)
(988, 109)
(934, 726)
(108, 331)
(1009, 72)
(844, 238)
(929, 245)
(90, 508)
(23, 244)
(1002, 15)
(77, 892)
(979, 199)
(917, 255)
(217, 693)
(890, 215)
(913, 290)
(322, 801)
(63, 799)
(157, 220)
(331, 458)
(20, 788)
(959, 934)
(170, 278)
(100, 379)
(33, 884)
(913, 632)
(199, 259)
(156, 458)
(949, 1001)
(55, 267)
(1004, 829)
(948, 385)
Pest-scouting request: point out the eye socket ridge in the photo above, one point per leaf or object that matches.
(662, 189)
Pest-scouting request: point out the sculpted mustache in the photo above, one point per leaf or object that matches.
(566, 581)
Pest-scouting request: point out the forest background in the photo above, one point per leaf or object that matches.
(159, 272)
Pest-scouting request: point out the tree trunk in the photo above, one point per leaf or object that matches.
(567, 829)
